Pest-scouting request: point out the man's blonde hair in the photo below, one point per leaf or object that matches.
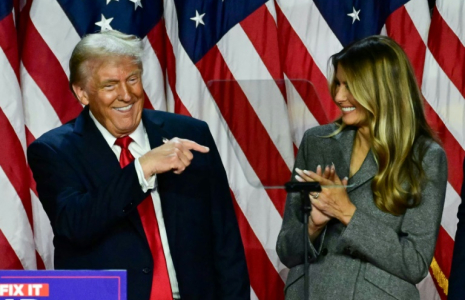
(100, 46)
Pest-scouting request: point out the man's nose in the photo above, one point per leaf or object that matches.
(124, 92)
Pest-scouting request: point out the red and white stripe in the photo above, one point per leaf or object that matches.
(241, 131)
(16, 238)
(283, 39)
(444, 89)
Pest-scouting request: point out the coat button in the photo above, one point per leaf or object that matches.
(146, 270)
(324, 251)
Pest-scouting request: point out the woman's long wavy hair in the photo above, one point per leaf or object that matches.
(382, 80)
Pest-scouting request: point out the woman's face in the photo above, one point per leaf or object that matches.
(353, 114)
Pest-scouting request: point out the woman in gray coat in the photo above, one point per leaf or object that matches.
(375, 238)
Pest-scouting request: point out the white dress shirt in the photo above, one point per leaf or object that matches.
(139, 147)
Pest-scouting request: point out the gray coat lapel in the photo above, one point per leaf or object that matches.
(367, 171)
(344, 142)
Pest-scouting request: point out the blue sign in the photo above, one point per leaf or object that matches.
(59, 285)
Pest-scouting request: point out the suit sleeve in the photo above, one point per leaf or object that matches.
(230, 264)
(406, 253)
(79, 210)
(457, 276)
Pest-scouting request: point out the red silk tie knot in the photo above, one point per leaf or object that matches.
(123, 142)
(125, 157)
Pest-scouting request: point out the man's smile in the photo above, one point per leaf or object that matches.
(125, 108)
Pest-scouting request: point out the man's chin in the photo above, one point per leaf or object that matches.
(122, 130)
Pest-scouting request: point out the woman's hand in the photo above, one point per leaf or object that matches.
(317, 219)
(332, 201)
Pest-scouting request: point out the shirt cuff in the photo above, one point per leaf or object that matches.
(144, 184)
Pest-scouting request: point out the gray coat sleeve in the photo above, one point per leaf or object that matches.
(406, 254)
(290, 245)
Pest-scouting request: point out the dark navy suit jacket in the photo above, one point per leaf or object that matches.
(457, 273)
(92, 206)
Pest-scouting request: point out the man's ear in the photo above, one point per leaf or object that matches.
(81, 94)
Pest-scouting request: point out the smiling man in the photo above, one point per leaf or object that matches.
(128, 188)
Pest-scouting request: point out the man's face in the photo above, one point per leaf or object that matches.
(114, 94)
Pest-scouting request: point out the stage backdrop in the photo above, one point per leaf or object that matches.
(191, 47)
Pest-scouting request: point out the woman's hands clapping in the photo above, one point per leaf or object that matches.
(331, 202)
(317, 219)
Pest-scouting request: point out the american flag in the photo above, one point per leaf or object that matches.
(223, 61)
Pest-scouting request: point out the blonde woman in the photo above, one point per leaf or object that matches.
(374, 239)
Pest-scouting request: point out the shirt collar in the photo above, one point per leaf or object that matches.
(138, 135)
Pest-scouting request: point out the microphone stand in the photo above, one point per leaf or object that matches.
(304, 188)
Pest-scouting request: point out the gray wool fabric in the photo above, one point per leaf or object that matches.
(378, 255)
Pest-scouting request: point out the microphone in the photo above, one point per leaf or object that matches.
(295, 186)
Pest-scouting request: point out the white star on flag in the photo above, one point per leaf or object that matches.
(198, 19)
(354, 15)
(137, 3)
(104, 24)
(108, 1)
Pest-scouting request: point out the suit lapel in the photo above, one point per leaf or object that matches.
(345, 141)
(93, 147)
(99, 156)
(156, 132)
(366, 172)
(155, 129)
(369, 166)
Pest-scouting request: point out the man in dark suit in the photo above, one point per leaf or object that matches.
(126, 194)
(457, 273)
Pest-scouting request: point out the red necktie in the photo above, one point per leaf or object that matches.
(161, 287)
